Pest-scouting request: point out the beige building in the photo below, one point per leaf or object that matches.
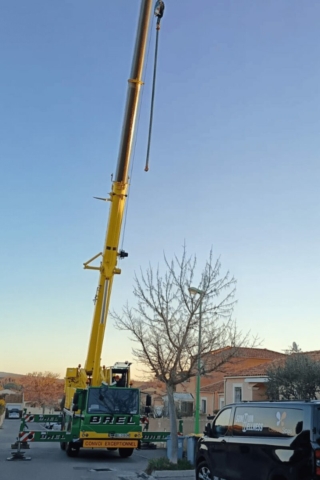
(228, 382)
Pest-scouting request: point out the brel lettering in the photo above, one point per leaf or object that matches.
(95, 419)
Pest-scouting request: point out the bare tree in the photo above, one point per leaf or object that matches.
(297, 379)
(165, 323)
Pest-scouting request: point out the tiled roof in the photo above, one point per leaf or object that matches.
(247, 352)
(213, 387)
(315, 355)
(257, 370)
(148, 384)
(262, 368)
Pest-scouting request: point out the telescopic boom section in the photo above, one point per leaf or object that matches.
(108, 267)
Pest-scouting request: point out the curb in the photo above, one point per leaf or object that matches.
(158, 475)
(186, 474)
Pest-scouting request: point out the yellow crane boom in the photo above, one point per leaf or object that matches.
(92, 374)
(118, 195)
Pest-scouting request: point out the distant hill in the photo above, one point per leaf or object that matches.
(9, 374)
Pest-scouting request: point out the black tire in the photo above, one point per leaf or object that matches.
(203, 472)
(63, 445)
(72, 449)
(125, 452)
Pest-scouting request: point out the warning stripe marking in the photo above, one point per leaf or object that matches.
(26, 436)
(29, 418)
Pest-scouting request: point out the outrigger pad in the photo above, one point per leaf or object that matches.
(18, 456)
(23, 445)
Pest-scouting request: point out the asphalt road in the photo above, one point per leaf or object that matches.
(50, 463)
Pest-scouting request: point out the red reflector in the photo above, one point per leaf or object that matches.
(318, 471)
(317, 453)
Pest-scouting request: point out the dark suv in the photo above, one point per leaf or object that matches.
(262, 441)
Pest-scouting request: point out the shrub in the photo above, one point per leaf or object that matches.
(164, 463)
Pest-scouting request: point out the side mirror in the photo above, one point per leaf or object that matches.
(76, 397)
(219, 430)
(75, 402)
(148, 401)
(208, 430)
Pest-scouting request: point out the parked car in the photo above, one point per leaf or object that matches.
(262, 441)
(13, 413)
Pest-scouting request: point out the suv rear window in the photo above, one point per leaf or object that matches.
(267, 421)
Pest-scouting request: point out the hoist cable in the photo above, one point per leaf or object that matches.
(133, 152)
(159, 10)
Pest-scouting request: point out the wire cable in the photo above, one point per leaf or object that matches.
(134, 151)
(159, 10)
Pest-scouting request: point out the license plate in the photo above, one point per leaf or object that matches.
(110, 443)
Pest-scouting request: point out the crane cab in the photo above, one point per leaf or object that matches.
(117, 375)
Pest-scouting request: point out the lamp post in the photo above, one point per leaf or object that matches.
(196, 291)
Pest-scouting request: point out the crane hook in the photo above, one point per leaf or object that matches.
(159, 10)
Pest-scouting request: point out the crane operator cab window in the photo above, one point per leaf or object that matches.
(118, 381)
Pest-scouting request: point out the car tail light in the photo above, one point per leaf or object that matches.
(317, 461)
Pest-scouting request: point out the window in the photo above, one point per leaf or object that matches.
(267, 421)
(203, 407)
(221, 423)
(237, 393)
(186, 409)
(221, 403)
(113, 400)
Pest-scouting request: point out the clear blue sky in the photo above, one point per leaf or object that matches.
(234, 164)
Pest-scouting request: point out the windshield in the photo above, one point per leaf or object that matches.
(113, 400)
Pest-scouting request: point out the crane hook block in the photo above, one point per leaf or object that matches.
(123, 254)
(159, 9)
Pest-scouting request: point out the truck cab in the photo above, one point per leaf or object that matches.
(105, 416)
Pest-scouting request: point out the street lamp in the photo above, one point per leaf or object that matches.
(196, 291)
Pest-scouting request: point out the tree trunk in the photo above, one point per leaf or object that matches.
(2, 416)
(173, 454)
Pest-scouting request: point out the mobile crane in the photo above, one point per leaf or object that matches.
(100, 409)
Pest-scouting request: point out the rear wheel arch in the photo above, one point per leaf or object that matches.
(203, 471)
(201, 459)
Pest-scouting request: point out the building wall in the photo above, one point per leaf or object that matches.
(260, 394)
(230, 385)
(236, 364)
(163, 424)
(250, 391)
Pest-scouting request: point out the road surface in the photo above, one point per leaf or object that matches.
(50, 463)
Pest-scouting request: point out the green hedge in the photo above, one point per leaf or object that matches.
(164, 463)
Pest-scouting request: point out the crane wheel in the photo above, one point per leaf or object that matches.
(125, 452)
(72, 449)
